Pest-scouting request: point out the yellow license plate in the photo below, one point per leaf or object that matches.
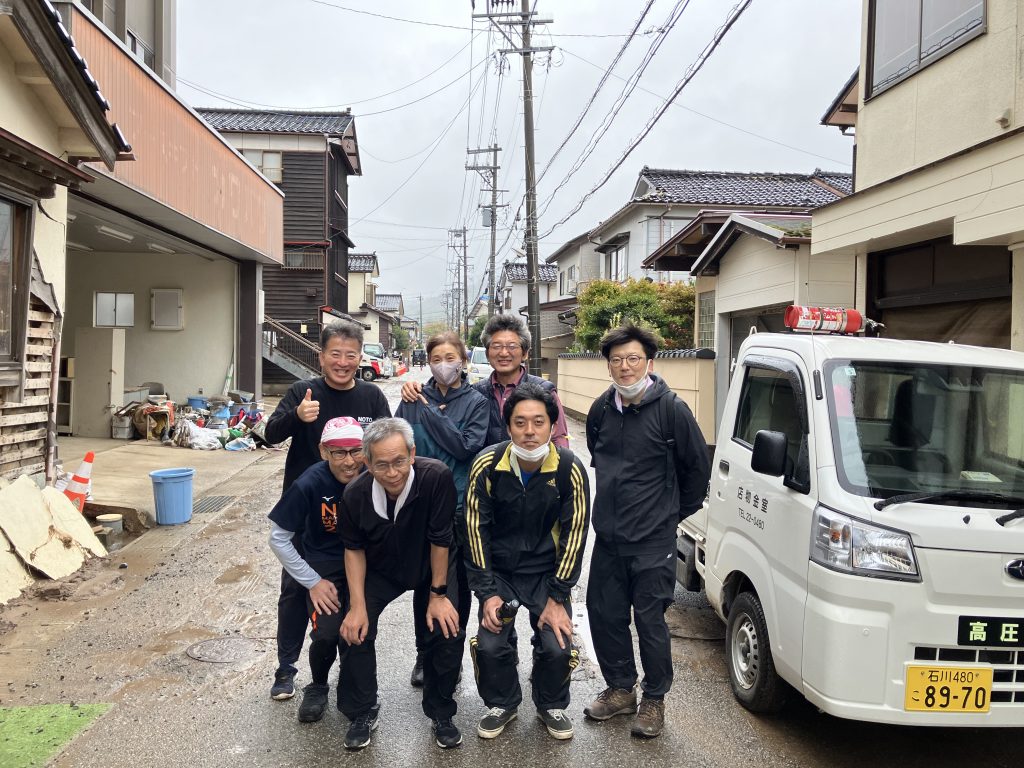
(948, 689)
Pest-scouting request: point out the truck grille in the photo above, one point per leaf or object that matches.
(1007, 668)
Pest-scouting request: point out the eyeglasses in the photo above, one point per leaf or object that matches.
(496, 347)
(340, 453)
(633, 360)
(383, 467)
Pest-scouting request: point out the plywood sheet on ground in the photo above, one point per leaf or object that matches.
(26, 520)
(13, 576)
(71, 521)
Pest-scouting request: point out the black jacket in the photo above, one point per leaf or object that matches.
(513, 530)
(363, 402)
(638, 502)
(401, 550)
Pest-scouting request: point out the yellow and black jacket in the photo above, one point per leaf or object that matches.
(514, 530)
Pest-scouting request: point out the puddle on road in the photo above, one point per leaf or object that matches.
(234, 574)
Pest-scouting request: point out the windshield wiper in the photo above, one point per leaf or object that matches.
(961, 494)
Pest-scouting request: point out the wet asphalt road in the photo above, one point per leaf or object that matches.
(124, 636)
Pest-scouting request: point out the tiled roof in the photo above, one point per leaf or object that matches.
(388, 302)
(276, 121)
(798, 190)
(361, 262)
(516, 271)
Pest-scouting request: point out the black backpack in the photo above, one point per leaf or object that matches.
(666, 417)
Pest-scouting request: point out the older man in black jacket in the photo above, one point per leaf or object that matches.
(652, 470)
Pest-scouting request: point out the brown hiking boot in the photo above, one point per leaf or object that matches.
(611, 702)
(650, 719)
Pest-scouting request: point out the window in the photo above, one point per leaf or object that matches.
(615, 266)
(561, 283)
(114, 310)
(9, 247)
(140, 50)
(660, 229)
(909, 34)
(706, 321)
(15, 274)
(266, 162)
(769, 402)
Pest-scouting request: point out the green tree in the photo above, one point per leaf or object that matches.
(432, 329)
(475, 331)
(667, 309)
(401, 338)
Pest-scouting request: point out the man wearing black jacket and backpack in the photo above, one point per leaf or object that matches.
(652, 470)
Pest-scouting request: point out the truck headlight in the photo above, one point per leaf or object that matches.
(844, 543)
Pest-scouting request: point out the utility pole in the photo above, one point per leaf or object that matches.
(460, 281)
(489, 174)
(526, 21)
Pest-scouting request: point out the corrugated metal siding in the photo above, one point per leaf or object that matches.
(305, 203)
(181, 162)
(285, 297)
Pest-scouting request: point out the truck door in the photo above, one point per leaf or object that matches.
(772, 514)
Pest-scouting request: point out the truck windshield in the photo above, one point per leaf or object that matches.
(906, 427)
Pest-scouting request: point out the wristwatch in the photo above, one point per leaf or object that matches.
(441, 590)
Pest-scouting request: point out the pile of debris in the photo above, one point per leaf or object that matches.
(234, 422)
(42, 533)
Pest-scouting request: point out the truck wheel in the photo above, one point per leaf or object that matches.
(755, 683)
(368, 374)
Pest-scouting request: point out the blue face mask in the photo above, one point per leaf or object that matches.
(446, 373)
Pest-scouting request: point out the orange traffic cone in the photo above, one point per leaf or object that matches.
(78, 487)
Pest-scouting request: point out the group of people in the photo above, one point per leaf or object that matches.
(472, 489)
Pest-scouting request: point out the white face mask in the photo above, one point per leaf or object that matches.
(632, 390)
(537, 454)
(446, 373)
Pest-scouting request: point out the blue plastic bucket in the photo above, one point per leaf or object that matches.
(197, 402)
(172, 492)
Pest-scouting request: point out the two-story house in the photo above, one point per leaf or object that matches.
(937, 222)
(165, 251)
(511, 290)
(310, 157)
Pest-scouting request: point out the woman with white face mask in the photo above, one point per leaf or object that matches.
(449, 421)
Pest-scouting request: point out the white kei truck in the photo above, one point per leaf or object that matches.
(863, 537)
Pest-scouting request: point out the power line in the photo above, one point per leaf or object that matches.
(713, 119)
(691, 71)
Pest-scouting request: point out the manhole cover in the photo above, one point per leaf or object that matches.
(221, 650)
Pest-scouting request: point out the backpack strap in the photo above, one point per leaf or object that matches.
(563, 478)
(595, 427)
(667, 418)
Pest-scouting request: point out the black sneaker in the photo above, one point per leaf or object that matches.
(358, 735)
(314, 702)
(557, 722)
(446, 735)
(416, 679)
(284, 685)
(494, 721)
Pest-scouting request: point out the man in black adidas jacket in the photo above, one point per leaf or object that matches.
(525, 521)
(652, 470)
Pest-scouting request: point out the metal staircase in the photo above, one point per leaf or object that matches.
(289, 350)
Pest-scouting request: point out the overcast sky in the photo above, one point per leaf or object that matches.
(755, 106)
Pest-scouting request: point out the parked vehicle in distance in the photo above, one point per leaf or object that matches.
(375, 363)
(479, 368)
(863, 537)
(419, 357)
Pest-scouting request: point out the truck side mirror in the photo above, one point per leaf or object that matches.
(769, 453)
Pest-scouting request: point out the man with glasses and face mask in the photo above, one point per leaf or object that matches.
(507, 341)
(396, 524)
(526, 518)
(308, 512)
(652, 470)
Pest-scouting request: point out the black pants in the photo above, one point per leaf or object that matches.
(494, 654)
(643, 584)
(325, 643)
(421, 596)
(357, 682)
(292, 620)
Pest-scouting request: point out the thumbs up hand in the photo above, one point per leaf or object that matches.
(308, 409)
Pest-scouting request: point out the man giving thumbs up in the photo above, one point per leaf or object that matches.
(301, 415)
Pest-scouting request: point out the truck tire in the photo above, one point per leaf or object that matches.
(368, 374)
(755, 683)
